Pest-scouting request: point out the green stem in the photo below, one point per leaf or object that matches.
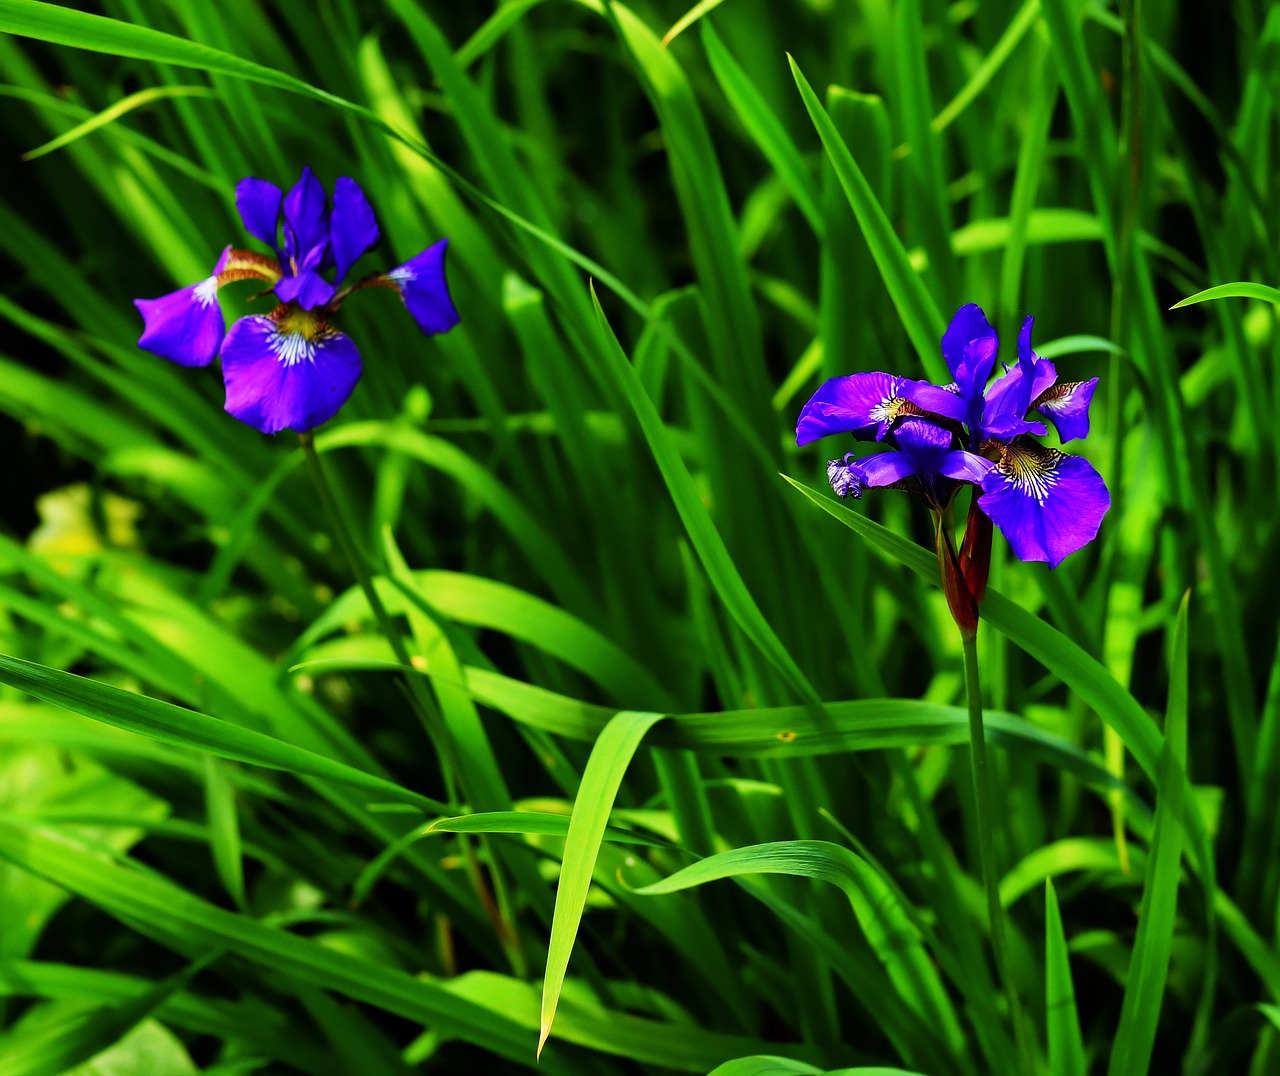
(356, 562)
(420, 699)
(986, 836)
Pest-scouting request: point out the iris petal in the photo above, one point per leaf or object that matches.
(259, 205)
(352, 227)
(965, 467)
(861, 404)
(185, 326)
(946, 402)
(969, 345)
(306, 219)
(1067, 406)
(277, 380)
(422, 285)
(308, 288)
(1046, 503)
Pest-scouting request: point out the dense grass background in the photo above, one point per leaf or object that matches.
(575, 508)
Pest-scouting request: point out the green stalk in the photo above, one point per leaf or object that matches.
(420, 699)
(986, 836)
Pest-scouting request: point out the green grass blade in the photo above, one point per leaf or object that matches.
(224, 828)
(919, 313)
(887, 924)
(54, 1046)
(764, 127)
(1022, 21)
(1059, 654)
(606, 767)
(1239, 290)
(1152, 948)
(180, 727)
(698, 524)
(110, 115)
(1066, 1047)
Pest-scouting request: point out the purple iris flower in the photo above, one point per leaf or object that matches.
(1047, 503)
(291, 369)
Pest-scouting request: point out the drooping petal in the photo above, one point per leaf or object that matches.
(965, 467)
(925, 444)
(185, 326)
(1066, 405)
(306, 218)
(969, 345)
(861, 404)
(886, 468)
(1046, 503)
(921, 449)
(352, 227)
(308, 288)
(258, 203)
(847, 477)
(422, 285)
(279, 380)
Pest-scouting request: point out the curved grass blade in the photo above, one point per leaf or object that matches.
(58, 1045)
(600, 782)
(1238, 290)
(180, 727)
(763, 1065)
(512, 822)
(886, 923)
(919, 313)
(1152, 948)
(1066, 1047)
(778, 732)
(1017, 29)
(492, 30)
(704, 7)
(110, 115)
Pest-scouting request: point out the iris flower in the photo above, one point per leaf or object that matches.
(291, 369)
(1048, 504)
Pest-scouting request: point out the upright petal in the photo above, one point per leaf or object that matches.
(422, 285)
(969, 345)
(1046, 503)
(352, 227)
(185, 326)
(1066, 405)
(306, 218)
(259, 205)
(285, 380)
(861, 404)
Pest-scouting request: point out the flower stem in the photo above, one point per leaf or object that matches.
(986, 835)
(420, 699)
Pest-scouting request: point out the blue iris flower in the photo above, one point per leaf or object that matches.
(1048, 504)
(291, 369)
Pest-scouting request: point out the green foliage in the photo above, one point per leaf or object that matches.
(653, 698)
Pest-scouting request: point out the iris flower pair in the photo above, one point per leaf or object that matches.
(291, 369)
(1048, 504)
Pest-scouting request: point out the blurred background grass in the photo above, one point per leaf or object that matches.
(574, 525)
